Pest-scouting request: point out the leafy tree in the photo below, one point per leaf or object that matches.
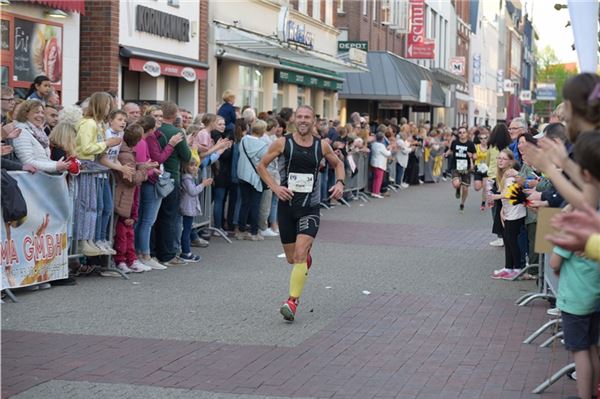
(548, 70)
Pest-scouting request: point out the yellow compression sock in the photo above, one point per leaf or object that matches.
(297, 279)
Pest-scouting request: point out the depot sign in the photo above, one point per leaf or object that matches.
(417, 46)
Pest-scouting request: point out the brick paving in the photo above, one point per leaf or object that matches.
(385, 346)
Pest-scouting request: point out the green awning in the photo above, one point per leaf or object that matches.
(307, 80)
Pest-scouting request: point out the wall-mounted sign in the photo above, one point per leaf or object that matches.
(347, 45)
(297, 33)
(545, 92)
(425, 91)
(162, 24)
(499, 83)
(389, 105)
(358, 56)
(156, 69)
(457, 66)
(525, 96)
(307, 80)
(38, 51)
(477, 69)
(508, 85)
(417, 46)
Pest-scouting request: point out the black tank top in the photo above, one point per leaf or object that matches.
(299, 159)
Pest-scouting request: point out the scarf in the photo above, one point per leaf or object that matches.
(39, 134)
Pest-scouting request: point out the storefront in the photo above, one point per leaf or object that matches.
(393, 88)
(33, 44)
(268, 72)
(159, 49)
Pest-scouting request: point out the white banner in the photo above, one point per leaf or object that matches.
(37, 250)
(584, 20)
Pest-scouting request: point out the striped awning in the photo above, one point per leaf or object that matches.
(65, 5)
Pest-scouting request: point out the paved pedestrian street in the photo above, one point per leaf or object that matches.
(398, 304)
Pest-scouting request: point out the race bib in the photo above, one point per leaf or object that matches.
(301, 182)
(462, 165)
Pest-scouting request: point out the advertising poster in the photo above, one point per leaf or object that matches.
(38, 51)
(34, 250)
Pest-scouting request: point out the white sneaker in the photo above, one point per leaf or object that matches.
(554, 312)
(153, 263)
(497, 243)
(499, 271)
(137, 265)
(105, 247)
(269, 233)
(376, 195)
(88, 249)
(123, 267)
(405, 185)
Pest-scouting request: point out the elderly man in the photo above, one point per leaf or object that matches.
(516, 128)
(133, 112)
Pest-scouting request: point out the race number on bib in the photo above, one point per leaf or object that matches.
(301, 182)
(462, 165)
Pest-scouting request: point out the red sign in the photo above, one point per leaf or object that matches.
(156, 69)
(417, 46)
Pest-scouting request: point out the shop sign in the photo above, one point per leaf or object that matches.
(357, 56)
(546, 92)
(162, 24)
(508, 85)
(37, 51)
(297, 33)
(306, 80)
(499, 82)
(457, 66)
(156, 69)
(417, 46)
(347, 45)
(525, 96)
(477, 69)
(390, 105)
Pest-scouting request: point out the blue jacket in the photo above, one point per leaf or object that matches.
(227, 111)
(255, 148)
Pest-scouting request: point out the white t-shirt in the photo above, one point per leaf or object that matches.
(511, 212)
(113, 152)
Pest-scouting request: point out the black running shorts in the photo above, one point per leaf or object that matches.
(293, 221)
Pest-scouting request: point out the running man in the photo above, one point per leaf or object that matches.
(299, 196)
(463, 150)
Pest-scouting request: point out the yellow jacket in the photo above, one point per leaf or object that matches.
(90, 139)
(592, 248)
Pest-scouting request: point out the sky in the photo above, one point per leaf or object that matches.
(550, 27)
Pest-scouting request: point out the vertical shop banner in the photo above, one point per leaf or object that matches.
(417, 45)
(38, 51)
(34, 250)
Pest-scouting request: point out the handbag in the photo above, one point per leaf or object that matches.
(164, 185)
(264, 185)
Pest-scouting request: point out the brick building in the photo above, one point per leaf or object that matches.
(124, 50)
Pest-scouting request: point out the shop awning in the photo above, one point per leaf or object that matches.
(242, 44)
(392, 78)
(65, 5)
(446, 77)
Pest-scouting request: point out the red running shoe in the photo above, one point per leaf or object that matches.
(288, 310)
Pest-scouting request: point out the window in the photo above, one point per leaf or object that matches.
(301, 96)
(329, 12)
(303, 6)
(364, 7)
(326, 105)
(316, 9)
(374, 10)
(340, 8)
(277, 97)
(251, 85)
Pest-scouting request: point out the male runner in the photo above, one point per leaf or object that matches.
(463, 150)
(299, 196)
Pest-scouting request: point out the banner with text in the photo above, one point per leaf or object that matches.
(417, 45)
(36, 250)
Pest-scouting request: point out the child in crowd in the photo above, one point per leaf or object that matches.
(512, 216)
(578, 300)
(127, 202)
(190, 207)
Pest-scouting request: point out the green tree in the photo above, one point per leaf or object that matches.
(548, 70)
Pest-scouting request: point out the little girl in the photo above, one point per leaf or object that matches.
(512, 216)
(189, 207)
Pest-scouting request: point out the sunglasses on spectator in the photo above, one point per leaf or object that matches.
(483, 137)
(12, 99)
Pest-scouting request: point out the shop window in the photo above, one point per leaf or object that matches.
(172, 89)
(301, 96)
(277, 97)
(251, 85)
(303, 6)
(316, 9)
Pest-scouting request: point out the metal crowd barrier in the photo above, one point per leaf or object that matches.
(204, 221)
